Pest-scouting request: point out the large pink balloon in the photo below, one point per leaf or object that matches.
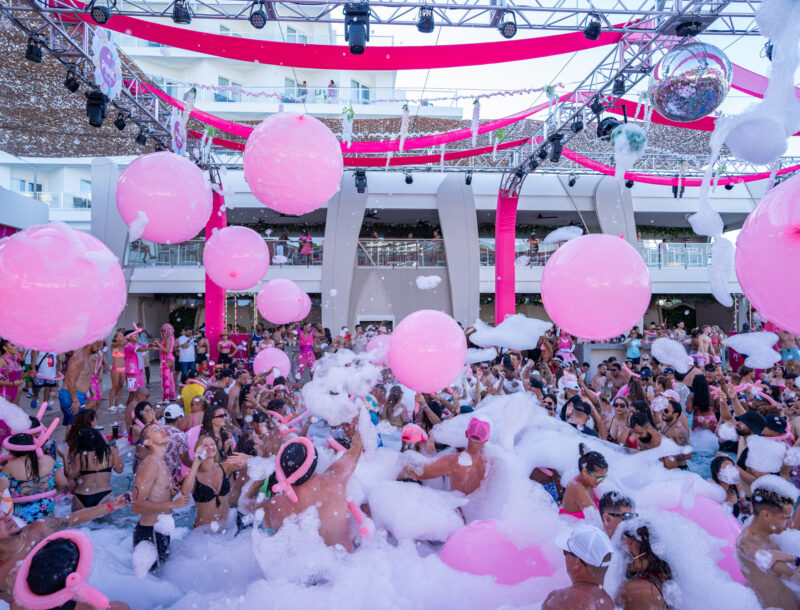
(306, 308)
(171, 191)
(427, 350)
(709, 515)
(236, 258)
(270, 358)
(280, 301)
(596, 286)
(380, 342)
(768, 242)
(293, 163)
(60, 289)
(480, 549)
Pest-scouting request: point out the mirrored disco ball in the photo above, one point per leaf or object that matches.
(690, 82)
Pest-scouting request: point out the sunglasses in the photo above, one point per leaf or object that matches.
(624, 516)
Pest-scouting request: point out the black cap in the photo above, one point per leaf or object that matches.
(776, 423)
(753, 420)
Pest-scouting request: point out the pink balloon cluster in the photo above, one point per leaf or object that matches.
(270, 358)
(281, 301)
(172, 192)
(427, 350)
(596, 286)
(60, 288)
(293, 163)
(236, 258)
(768, 241)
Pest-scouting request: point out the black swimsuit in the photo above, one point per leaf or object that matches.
(204, 493)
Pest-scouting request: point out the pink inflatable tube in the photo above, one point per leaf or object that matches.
(76, 586)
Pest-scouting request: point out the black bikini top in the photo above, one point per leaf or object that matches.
(204, 493)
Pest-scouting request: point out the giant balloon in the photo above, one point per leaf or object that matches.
(271, 358)
(596, 286)
(768, 245)
(60, 288)
(236, 258)
(427, 350)
(280, 301)
(293, 163)
(169, 194)
(690, 82)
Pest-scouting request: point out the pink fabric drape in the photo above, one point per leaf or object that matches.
(215, 295)
(504, 252)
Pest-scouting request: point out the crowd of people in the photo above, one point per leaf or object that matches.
(197, 445)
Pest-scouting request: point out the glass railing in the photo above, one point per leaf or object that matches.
(401, 253)
(283, 252)
(63, 201)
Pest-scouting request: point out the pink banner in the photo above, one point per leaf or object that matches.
(334, 57)
(215, 295)
(505, 302)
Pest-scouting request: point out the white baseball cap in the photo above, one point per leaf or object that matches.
(589, 544)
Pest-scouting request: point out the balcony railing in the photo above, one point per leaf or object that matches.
(64, 201)
(142, 253)
(409, 253)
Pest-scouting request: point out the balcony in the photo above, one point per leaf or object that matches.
(283, 252)
(63, 201)
(401, 253)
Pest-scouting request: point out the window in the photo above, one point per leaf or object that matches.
(293, 35)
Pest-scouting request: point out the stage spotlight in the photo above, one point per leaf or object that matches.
(409, 178)
(556, 147)
(71, 83)
(729, 186)
(33, 52)
(95, 108)
(100, 13)
(573, 178)
(592, 29)
(508, 24)
(619, 86)
(258, 18)
(425, 21)
(119, 122)
(141, 139)
(629, 184)
(356, 26)
(468, 178)
(181, 13)
(606, 126)
(361, 181)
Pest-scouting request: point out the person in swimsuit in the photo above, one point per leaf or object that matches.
(166, 355)
(646, 572)
(91, 468)
(580, 492)
(208, 483)
(27, 474)
(117, 369)
(10, 372)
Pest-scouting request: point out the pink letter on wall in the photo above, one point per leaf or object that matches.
(504, 253)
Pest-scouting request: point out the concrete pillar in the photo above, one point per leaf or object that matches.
(342, 226)
(459, 223)
(614, 205)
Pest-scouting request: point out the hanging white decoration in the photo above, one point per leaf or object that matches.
(107, 65)
(403, 126)
(347, 125)
(476, 120)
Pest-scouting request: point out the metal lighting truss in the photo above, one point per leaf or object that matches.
(551, 15)
(70, 41)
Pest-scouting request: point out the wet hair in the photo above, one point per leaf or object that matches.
(292, 457)
(91, 440)
(656, 566)
(716, 465)
(676, 406)
(764, 499)
(31, 461)
(701, 396)
(591, 460)
(613, 500)
(639, 419)
(83, 419)
(51, 566)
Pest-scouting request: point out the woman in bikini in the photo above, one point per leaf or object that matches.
(580, 493)
(166, 355)
(117, 369)
(208, 483)
(90, 468)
